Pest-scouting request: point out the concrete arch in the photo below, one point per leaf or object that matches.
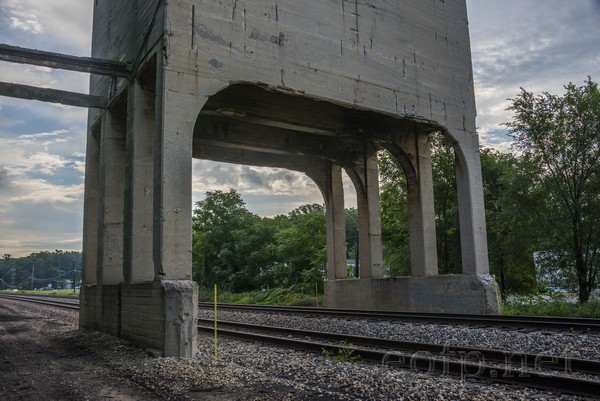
(328, 94)
(255, 124)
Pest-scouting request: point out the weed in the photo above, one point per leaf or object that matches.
(344, 354)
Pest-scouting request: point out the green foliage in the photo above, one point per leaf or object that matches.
(394, 210)
(48, 268)
(561, 136)
(394, 217)
(344, 354)
(299, 249)
(551, 306)
(277, 296)
(446, 204)
(241, 251)
(351, 220)
(513, 206)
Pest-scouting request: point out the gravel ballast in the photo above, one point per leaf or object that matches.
(563, 344)
(44, 356)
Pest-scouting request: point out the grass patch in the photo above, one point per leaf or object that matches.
(275, 296)
(343, 355)
(62, 293)
(551, 306)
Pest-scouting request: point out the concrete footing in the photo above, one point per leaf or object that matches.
(160, 316)
(476, 294)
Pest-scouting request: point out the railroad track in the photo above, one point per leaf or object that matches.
(551, 373)
(45, 300)
(547, 372)
(529, 322)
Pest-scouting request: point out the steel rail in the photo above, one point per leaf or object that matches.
(61, 304)
(535, 322)
(469, 367)
(534, 361)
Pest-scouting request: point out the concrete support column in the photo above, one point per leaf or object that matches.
(111, 198)
(471, 207)
(172, 225)
(90, 206)
(329, 181)
(366, 181)
(421, 208)
(173, 186)
(141, 126)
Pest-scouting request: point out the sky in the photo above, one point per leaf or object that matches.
(539, 45)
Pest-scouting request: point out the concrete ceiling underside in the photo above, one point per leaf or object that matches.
(255, 125)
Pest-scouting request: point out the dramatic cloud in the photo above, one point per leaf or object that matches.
(522, 44)
(267, 191)
(57, 25)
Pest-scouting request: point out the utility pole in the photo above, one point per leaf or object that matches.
(32, 274)
(12, 280)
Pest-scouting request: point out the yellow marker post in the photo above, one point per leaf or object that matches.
(216, 342)
(497, 295)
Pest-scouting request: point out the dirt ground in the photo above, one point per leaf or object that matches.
(43, 356)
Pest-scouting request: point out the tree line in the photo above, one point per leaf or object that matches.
(542, 203)
(57, 269)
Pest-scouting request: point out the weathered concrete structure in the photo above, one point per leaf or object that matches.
(315, 86)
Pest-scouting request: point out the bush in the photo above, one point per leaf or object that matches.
(276, 296)
(556, 305)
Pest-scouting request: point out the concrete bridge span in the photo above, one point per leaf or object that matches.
(315, 86)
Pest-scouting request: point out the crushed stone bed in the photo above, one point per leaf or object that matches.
(44, 356)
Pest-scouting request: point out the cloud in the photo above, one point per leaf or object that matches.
(25, 21)
(496, 139)
(43, 134)
(3, 178)
(39, 190)
(210, 176)
(267, 191)
(31, 153)
(45, 163)
(66, 25)
(31, 227)
(520, 44)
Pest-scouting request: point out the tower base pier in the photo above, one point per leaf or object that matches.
(160, 316)
(474, 294)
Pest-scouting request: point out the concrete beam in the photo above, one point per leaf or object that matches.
(51, 95)
(15, 54)
(237, 134)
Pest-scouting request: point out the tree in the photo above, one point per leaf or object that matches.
(50, 268)
(562, 135)
(394, 210)
(394, 216)
(513, 210)
(299, 249)
(225, 242)
(447, 227)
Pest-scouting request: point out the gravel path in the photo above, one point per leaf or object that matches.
(44, 356)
